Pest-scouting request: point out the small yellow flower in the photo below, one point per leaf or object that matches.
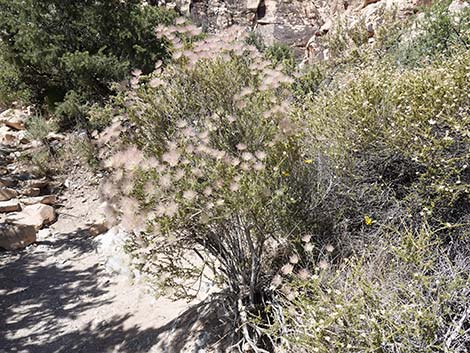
(308, 161)
(367, 220)
(285, 173)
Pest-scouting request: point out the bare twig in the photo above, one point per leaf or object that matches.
(245, 332)
(453, 334)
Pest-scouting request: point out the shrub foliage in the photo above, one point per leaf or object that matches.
(68, 52)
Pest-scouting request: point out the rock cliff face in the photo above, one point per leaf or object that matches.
(293, 22)
(290, 22)
(297, 23)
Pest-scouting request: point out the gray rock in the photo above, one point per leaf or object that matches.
(97, 229)
(13, 118)
(53, 136)
(37, 183)
(7, 182)
(32, 192)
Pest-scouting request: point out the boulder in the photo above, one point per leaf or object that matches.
(368, 2)
(16, 236)
(252, 5)
(11, 137)
(98, 223)
(46, 200)
(9, 206)
(5, 133)
(13, 118)
(97, 229)
(52, 136)
(326, 27)
(43, 234)
(7, 194)
(32, 146)
(110, 246)
(32, 192)
(406, 7)
(373, 17)
(457, 6)
(37, 216)
(7, 182)
(37, 183)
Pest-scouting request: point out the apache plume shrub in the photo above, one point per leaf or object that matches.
(207, 169)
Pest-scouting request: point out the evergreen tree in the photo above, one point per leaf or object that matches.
(68, 52)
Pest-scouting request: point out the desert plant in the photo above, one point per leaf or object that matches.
(397, 297)
(212, 175)
(39, 127)
(281, 54)
(234, 170)
(405, 129)
(11, 87)
(256, 39)
(437, 33)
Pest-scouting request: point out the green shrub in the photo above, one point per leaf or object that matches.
(217, 149)
(79, 148)
(11, 87)
(256, 39)
(281, 54)
(39, 127)
(278, 53)
(404, 129)
(69, 52)
(346, 40)
(398, 297)
(309, 82)
(434, 35)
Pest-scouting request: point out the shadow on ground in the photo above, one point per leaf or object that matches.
(41, 299)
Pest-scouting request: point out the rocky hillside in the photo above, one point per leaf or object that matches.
(25, 200)
(296, 23)
(29, 200)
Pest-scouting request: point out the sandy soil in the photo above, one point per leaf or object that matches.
(56, 296)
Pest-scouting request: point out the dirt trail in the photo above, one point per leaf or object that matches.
(56, 296)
